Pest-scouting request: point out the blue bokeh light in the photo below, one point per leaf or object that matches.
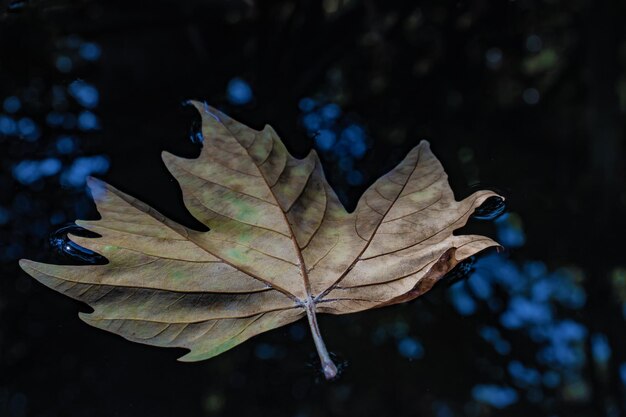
(265, 351)
(5, 215)
(509, 233)
(85, 94)
(410, 348)
(564, 348)
(325, 139)
(307, 104)
(331, 111)
(11, 104)
(462, 300)
(29, 171)
(54, 119)
(524, 376)
(65, 145)
(441, 409)
(355, 177)
(495, 395)
(345, 163)
(523, 311)
(312, 122)
(551, 379)
(341, 140)
(28, 129)
(8, 126)
(238, 92)
(82, 167)
(64, 64)
(90, 51)
(535, 300)
(480, 286)
(494, 337)
(600, 348)
(88, 121)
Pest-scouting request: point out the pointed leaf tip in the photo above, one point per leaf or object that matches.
(24, 263)
(167, 156)
(205, 109)
(97, 187)
(424, 143)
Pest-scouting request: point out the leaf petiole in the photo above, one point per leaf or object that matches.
(328, 366)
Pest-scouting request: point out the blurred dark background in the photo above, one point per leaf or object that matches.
(526, 97)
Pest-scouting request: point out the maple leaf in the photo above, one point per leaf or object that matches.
(280, 246)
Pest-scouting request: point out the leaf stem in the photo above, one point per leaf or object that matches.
(328, 366)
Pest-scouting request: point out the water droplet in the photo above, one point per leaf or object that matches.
(60, 241)
(195, 133)
(490, 209)
(315, 365)
(459, 272)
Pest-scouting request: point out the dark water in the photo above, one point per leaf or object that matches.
(524, 97)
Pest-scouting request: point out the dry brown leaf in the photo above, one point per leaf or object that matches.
(281, 246)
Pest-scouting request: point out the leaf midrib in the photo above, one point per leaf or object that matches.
(302, 265)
